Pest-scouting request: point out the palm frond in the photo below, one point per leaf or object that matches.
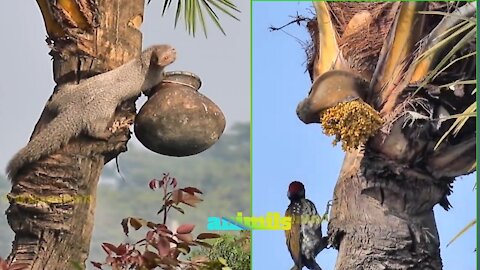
(457, 15)
(442, 40)
(461, 28)
(460, 121)
(445, 59)
(469, 225)
(451, 26)
(194, 12)
(400, 44)
(453, 62)
(327, 38)
(452, 84)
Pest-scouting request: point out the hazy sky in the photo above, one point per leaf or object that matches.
(285, 149)
(222, 62)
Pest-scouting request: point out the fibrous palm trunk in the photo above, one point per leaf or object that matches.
(52, 201)
(382, 214)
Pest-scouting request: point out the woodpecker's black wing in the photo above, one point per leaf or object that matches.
(294, 236)
(311, 230)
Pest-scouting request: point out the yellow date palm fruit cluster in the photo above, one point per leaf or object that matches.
(336, 102)
(351, 122)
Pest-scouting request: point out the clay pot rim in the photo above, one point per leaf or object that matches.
(184, 73)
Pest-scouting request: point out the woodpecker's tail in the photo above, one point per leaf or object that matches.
(55, 135)
(312, 265)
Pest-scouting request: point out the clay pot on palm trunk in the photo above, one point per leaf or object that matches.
(177, 120)
(328, 90)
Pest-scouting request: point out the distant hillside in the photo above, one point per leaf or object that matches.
(222, 173)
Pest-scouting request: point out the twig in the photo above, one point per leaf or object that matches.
(297, 19)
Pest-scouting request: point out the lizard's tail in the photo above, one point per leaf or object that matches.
(55, 135)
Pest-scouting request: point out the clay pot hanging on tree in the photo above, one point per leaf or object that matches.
(336, 101)
(177, 120)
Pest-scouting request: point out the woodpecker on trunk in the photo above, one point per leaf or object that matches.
(304, 239)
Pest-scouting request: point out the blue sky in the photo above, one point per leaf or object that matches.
(285, 149)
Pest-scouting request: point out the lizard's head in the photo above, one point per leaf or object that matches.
(162, 55)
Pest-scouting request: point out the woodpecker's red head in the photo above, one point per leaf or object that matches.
(296, 190)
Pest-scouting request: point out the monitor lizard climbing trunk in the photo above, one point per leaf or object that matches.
(52, 202)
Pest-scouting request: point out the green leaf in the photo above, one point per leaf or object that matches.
(224, 10)
(466, 228)
(454, 25)
(446, 14)
(166, 5)
(191, 16)
(179, 209)
(448, 85)
(177, 13)
(194, 11)
(203, 244)
(453, 62)
(458, 46)
(183, 248)
(202, 20)
(222, 261)
(461, 119)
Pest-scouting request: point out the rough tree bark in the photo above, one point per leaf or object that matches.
(382, 215)
(52, 201)
(377, 223)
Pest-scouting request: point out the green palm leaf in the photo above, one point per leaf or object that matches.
(460, 121)
(469, 225)
(462, 22)
(194, 12)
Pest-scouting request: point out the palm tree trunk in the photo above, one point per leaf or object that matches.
(382, 216)
(52, 204)
(382, 213)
